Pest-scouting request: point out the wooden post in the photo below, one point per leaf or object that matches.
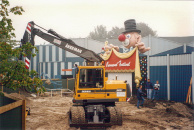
(188, 94)
(188, 99)
(67, 83)
(61, 92)
(24, 115)
(190, 91)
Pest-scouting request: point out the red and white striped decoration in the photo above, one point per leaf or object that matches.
(128, 99)
(28, 29)
(27, 63)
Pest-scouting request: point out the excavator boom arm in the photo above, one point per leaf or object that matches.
(60, 41)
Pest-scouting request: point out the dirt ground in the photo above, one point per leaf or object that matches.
(50, 113)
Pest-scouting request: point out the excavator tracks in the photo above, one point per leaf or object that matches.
(119, 116)
(77, 117)
(82, 119)
(115, 115)
(74, 115)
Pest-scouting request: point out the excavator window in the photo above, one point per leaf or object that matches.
(91, 78)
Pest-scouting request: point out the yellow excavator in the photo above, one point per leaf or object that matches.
(94, 95)
(94, 98)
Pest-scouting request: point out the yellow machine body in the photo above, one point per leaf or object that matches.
(91, 84)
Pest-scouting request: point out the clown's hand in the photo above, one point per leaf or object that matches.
(141, 47)
(115, 47)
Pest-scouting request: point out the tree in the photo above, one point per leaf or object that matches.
(98, 33)
(13, 73)
(115, 32)
(101, 33)
(146, 30)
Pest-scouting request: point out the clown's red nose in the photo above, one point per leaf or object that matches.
(121, 37)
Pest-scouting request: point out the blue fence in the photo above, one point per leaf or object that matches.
(160, 73)
(179, 81)
(180, 77)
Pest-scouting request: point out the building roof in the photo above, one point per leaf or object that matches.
(176, 51)
(114, 41)
(181, 40)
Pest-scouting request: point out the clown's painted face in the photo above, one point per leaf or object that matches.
(129, 39)
(133, 38)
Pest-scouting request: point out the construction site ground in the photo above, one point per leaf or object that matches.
(51, 113)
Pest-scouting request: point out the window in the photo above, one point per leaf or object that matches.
(91, 78)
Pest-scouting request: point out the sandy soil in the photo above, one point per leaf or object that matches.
(50, 113)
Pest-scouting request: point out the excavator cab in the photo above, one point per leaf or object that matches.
(91, 78)
(89, 82)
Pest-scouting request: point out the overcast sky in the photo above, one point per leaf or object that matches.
(77, 18)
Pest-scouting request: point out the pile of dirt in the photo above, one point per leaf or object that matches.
(180, 110)
(147, 103)
(167, 108)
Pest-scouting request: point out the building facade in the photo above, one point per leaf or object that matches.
(170, 60)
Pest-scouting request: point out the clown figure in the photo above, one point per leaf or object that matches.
(131, 36)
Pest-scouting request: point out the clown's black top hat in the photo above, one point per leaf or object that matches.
(130, 26)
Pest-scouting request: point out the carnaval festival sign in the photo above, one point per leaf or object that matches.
(123, 62)
(115, 63)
